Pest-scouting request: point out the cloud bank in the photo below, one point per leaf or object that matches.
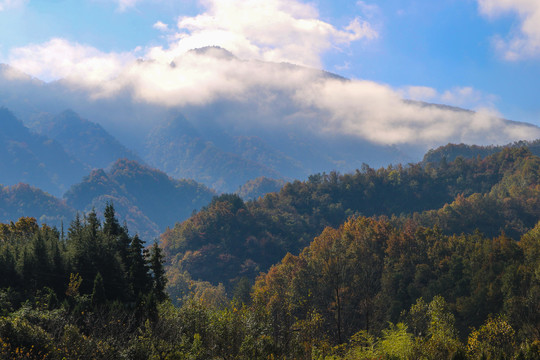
(525, 42)
(273, 30)
(263, 35)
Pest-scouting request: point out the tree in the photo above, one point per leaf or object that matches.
(494, 340)
(139, 278)
(156, 261)
(111, 226)
(98, 293)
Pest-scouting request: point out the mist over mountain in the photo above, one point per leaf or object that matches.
(31, 158)
(221, 120)
(86, 141)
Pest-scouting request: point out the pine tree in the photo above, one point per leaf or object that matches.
(92, 224)
(111, 226)
(98, 293)
(156, 261)
(139, 279)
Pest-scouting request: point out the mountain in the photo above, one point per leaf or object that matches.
(222, 120)
(35, 159)
(86, 141)
(259, 187)
(230, 239)
(179, 149)
(147, 199)
(23, 200)
(452, 151)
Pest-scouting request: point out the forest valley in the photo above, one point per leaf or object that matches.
(436, 260)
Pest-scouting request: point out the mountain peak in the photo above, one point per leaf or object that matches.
(214, 51)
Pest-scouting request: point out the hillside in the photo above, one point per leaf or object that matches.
(259, 187)
(452, 151)
(23, 200)
(179, 149)
(84, 140)
(34, 159)
(147, 199)
(230, 238)
(368, 287)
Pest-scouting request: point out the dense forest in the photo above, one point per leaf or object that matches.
(427, 261)
(231, 239)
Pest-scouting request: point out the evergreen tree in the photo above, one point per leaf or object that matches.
(98, 293)
(156, 261)
(92, 224)
(111, 226)
(139, 278)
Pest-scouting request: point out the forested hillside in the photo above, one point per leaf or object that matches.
(364, 290)
(259, 187)
(22, 200)
(230, 239)
(26, 157)
(147, 199)
(452, 151)
(436, 260)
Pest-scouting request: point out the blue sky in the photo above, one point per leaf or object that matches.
(469, 53)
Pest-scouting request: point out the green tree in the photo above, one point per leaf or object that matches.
(98, 293)
(139, 278)
(156, 262)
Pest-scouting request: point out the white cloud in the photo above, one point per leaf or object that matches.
(464, 97)
(419, 93)
(525, 42)
(377, 112)
(271, 30)
(7, 4)
(281, 95)
(161, 26)
(59, 58)
(467, 97)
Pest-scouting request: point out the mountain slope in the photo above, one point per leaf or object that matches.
(179, 149)
(34, 159)
(452, 151)
(230, 239)
(23, 200)
(146, 198)
(84, 140)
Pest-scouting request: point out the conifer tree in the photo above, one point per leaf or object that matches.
(98, 293)
(156, 261)
(111, 226)
(92, 224)
(139, 278)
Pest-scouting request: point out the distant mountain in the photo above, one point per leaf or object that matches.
(23, 200)
(259, 187)
(180, 150)
(451, 152)
(242, 119)
(86, 141)
(256, 149)
(34, 159)
(147, 199)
